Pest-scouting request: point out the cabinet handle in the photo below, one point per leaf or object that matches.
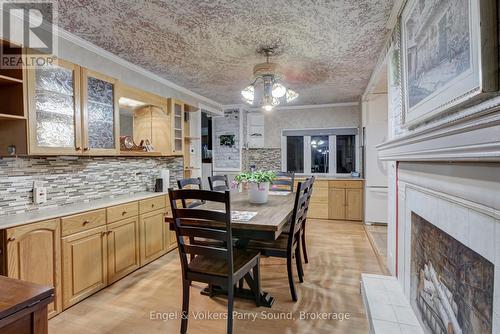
(11, 239)
(78, 148)
(124, 213)
(86, 148)
(109, 232)
(85, 222)
(152, 205)
(104, 233)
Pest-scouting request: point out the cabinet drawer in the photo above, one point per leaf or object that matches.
(148, 205)
(123, 211)
(347, 184)
(83, 221)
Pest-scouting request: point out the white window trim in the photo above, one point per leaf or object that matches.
(332, 142)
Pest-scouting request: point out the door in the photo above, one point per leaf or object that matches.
(34, 255)
(84, 264)
(123, 248)
(337, 202)
(54, 109)
(152, 235)
(100, 110)
(354, 204)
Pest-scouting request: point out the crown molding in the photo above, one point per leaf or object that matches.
(306, 106)
(66, 35)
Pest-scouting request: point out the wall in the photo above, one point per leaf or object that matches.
(322, 117)
(227, 158)
(72, 180)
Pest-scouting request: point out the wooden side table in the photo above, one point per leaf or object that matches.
(23, 306)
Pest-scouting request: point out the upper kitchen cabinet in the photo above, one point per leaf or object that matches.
(13, 139)
(176, 110)
(54, 109)
(100, 114)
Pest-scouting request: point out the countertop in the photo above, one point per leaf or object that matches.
(330, 178)
(8, 221)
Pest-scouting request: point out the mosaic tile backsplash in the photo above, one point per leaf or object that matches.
(78, 179)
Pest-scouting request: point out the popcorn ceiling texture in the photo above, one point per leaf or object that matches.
(78, 180)
(328, 49)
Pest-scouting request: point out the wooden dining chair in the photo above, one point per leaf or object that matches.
(190, 183)
(212, 180)
(288, 245)
(216, 265)
(303, 236)
(284, 181)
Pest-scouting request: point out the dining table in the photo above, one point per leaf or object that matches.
(267, 224)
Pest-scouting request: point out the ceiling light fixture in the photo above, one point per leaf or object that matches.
(273, 88)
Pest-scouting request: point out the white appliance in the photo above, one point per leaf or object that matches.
(375, 133)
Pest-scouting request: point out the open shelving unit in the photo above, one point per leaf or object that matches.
(13, 120)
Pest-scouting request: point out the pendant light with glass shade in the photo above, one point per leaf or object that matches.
(274, 91)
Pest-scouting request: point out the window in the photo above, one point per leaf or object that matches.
(325, 151)
(295, 158)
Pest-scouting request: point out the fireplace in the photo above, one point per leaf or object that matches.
(451, 286)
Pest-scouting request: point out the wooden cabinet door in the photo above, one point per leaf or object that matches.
(100, 114)
(123, 248)
(85, 264)
(354, 204)
(152, 235)
(337, 209)
(54, 109)
(34, 255)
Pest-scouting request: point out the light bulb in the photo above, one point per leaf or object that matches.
(248, 94)
(291, 95)
(267, 107)
(279, 90)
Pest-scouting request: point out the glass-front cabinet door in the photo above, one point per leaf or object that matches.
(54, 109)
(100, 114)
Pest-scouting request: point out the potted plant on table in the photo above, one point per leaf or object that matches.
(258, 184)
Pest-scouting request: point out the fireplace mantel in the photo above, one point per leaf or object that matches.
(470, 139)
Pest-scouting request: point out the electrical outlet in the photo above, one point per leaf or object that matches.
(39, 195)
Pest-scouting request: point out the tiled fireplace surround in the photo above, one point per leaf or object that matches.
(461, 199)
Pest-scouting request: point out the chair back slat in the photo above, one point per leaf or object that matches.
(198, 223)
(212, 180)
(202, 232)
(190, 183)
(284, 181)
(205, 250)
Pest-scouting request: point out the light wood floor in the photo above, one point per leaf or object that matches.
(338, 253)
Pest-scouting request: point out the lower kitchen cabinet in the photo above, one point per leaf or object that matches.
(123, 248)
(152, 235)
(85, 264)
(34, 255)
(337, 203)
(354, 204)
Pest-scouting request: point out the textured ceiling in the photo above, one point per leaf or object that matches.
(327, 48)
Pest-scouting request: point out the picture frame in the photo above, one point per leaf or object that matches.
(449, 56)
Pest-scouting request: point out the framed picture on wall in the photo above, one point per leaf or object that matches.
(449, 56)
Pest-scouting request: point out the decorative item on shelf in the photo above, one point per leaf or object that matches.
(272, 82)
(148, 147)
(127, 144)
(258, 184)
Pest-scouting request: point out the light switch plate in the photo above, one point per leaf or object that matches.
(39, 195)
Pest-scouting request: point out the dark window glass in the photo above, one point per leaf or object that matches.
(346, 154)
(295, 154)
(320, 154)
